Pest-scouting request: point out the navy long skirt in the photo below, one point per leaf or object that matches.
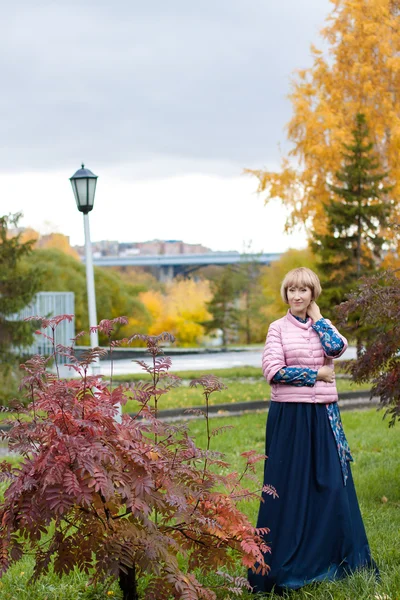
(316, 528)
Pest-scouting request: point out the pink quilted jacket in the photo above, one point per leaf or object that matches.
(293, 344)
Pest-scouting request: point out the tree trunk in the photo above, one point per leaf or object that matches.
(359, 346)
(224, 339)
(224, 329)
(127, 583)
(359, 237)
(248, 324)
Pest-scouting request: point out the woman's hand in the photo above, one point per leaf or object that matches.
(326, 374)
(313, 311)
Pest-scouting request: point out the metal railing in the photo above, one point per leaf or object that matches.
(49, 304)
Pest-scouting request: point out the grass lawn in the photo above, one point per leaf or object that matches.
(244, 384)
(237, 391)
(376, 470)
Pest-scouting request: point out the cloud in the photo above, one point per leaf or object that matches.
(223, 213)
(125, 82)
(167, 102)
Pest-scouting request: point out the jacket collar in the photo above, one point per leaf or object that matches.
(293, 320)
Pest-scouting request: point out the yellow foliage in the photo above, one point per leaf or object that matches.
(153, 301)
(359, 74)
(57, 241)
(391, 261)
(180, 310)
(29, 234)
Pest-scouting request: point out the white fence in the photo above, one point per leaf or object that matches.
(50, 304)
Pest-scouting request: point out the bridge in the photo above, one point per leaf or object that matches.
(170, 265)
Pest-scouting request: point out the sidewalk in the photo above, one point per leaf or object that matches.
(196, 360)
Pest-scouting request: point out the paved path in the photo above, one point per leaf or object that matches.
(194, 362)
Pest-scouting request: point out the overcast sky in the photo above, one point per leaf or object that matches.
(167, 102)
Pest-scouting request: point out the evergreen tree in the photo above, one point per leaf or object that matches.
(18, 285)
(251, 299)
(224, 305)
(357, 215)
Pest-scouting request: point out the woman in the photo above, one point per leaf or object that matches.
(317, 531)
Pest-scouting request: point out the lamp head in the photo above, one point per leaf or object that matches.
(84, 186)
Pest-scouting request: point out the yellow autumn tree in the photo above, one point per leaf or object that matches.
(57, 241)
(358, 73)
(181, 310)
(28, 234)
(51, 241)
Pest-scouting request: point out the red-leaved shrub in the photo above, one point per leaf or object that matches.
(122, 498)
(376, 303)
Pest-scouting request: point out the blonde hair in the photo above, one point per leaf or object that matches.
(301, 277)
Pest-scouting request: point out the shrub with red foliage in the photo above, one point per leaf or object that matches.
(123, 498)
(376, 302)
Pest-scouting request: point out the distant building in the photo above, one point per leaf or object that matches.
(150, 248)
(56, 241)
(170, 247)
(53, 240)
(102, 248)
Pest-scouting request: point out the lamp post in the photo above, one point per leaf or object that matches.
(84, 186)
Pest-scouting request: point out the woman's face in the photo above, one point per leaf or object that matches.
(299, 299)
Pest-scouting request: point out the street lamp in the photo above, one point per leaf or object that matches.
(84, 186)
